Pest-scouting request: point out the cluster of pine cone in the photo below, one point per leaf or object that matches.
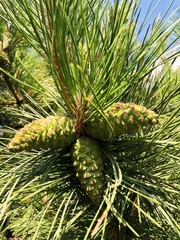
(59, 132)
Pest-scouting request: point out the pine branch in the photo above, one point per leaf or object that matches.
(8, 103)
(13, 90)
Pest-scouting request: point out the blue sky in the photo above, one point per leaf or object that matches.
(163, 5)
(161, 8)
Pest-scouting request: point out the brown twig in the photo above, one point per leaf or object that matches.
(12, 89)
(99, 222)
(8, 103)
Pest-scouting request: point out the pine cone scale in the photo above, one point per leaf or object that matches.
(123, 118)
(51, 132)
(89, 167)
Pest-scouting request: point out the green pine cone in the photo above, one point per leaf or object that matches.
(51, 132)
(123, 118)
(88, 162)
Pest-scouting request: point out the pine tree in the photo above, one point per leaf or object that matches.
(99, 158)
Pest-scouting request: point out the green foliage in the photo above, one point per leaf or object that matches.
(24, 75)
(94, 59)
